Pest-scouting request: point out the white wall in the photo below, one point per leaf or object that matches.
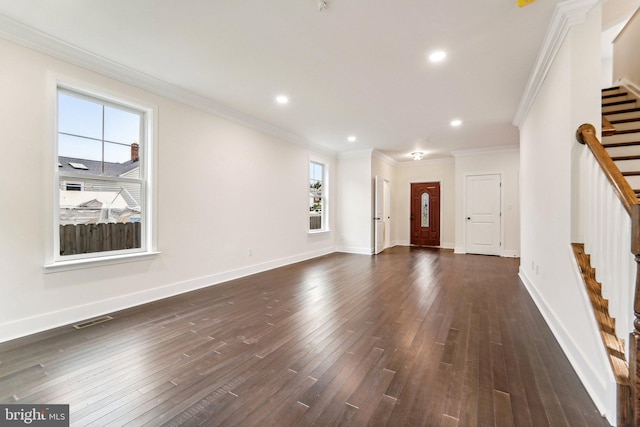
(502, 161)
(625, 52)
(424, 171)
(569, 96)
(354, 204)
(222, 188)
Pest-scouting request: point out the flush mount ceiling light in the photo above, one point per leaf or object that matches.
(417, 155)
(351, 138)
(282, 99)
(437, 56)
(456, 122)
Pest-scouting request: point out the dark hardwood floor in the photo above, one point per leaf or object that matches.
(408, 337)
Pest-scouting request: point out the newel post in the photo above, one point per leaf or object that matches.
(634, 337)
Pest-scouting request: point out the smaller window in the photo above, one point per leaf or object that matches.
(317, 197)
(74, 186)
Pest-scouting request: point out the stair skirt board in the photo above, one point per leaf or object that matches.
(613, 345)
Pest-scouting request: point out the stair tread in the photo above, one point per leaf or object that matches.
(611, 88)
(627, 131)
(620, 144)
(631, 120)
(623, 158)
(626, 110)
(613, 95)
(626, 101)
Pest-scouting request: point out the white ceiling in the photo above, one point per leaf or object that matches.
(359, 67)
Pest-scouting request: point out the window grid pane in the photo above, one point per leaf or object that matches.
(96, 130)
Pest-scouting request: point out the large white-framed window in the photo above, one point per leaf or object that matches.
(102, 199)
(318, 197)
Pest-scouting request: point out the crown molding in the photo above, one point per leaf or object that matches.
(23, 35)
(566, 15)
(386, 159)
(488, 150)
(356, 154)
(425, 162)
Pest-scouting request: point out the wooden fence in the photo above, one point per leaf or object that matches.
(87, 238)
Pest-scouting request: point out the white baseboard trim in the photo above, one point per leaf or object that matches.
(635, 89)
(448, 245)
(31, 325)
(506, 253)
(510, 253)
(354, 250)
(596, 381)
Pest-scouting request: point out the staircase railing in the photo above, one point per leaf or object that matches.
(612, 237)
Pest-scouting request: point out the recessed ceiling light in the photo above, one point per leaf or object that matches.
(437, 56)
(282, 99)
(351, 138)
(456, 122)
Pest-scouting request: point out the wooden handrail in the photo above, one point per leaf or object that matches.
(586, 134)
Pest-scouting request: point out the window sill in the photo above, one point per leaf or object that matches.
(314, 232)
(78, 264)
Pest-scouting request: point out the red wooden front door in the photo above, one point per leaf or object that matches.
(425, 214)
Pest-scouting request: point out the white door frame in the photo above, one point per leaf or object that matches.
(381, 214)
(387, 213)
(378, 214)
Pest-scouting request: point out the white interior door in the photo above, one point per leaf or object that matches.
(378, 215)
(483, 216)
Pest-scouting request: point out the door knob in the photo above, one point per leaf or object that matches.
(468, 218)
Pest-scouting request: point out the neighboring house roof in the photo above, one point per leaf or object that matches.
(94, 167)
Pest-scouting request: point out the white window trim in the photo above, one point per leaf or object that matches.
(54, 262)
(326, 209)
